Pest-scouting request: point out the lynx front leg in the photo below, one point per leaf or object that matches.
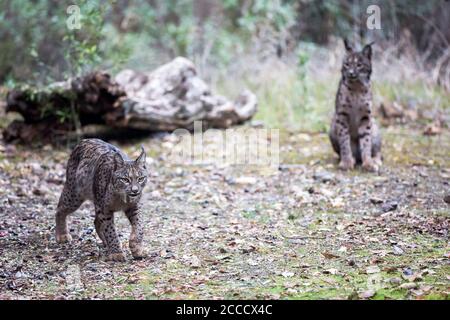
(343, 135)
(365, 142)
(98, 223)
(104, 224)
(134, 215)
(68, 203)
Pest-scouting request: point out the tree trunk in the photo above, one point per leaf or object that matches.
(171, 97)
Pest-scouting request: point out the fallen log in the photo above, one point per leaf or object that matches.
(170, 97)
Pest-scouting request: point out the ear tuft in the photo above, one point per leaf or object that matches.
(367, 50)
(141, 159)
(348, 46)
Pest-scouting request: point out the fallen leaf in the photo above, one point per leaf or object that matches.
(287, 274)
(408, 285)
(291, 291)
(252, 262)
(195, 262)
(329, 255)
(337, 202)
(426, 288)
(376, 200)
(367, 294)
(398, 251)
(372, 269)
(342, 249)
(246, 180)
(332, 271)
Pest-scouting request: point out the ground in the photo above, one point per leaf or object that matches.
(303, 230)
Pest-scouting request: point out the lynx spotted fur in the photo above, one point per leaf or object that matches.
(100, 172)
(354, 134)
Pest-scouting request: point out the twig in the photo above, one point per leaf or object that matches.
(296, 237)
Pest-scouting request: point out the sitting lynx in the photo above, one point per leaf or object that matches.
(100, 172)
(354, 134)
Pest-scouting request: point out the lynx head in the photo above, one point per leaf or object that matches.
(130, 177)
(357, 65)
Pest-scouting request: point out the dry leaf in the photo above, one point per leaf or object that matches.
(367, 294)
(372, 269)
(329, 255)
(287, 274)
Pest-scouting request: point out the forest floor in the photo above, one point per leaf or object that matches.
(304, 230)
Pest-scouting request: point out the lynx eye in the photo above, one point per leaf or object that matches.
(124, 180)
(141, 179)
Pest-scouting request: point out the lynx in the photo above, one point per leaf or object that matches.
(100, 172)
(354, 135)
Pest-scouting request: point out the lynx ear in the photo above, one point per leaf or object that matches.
(367, 50)
(348, 46)
(141, 159)
(118, 158)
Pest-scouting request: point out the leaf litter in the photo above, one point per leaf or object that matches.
(305, 231)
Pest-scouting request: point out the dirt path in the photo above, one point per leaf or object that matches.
(303, 231)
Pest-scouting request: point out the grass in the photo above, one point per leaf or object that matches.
(301, 97)
(402, 140)
(413, 92)
(291, 103)
(285, 100)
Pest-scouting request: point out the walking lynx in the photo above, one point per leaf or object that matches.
(100, 172)
(354, 134)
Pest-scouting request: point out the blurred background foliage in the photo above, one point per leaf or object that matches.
(280, 49)
(36, 44)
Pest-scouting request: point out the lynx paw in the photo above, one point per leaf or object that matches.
(370, 166)
(63, 238)
(378, 161)
(138, 253)
(120, 257)
(347, 164)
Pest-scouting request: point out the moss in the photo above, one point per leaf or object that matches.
(390, 294)
(437, 296)
(406, 147)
